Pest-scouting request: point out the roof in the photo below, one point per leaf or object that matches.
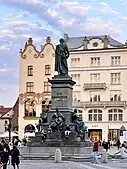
(3, 110)
(76, 42)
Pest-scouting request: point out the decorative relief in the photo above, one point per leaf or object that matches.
(53, 54)
(41, 55)
(48, 50)
(35, 56)
(29, 51)
(36, 97)
(23, 56)
(38, 54)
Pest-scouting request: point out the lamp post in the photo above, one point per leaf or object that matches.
(9, 129)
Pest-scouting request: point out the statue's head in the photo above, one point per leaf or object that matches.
(75, 111)
(62, 40)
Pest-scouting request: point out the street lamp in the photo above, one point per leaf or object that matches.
(9, 129)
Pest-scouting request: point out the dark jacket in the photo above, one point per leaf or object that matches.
(5, 157)
(15, 156)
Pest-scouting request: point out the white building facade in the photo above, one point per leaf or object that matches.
(99, 67)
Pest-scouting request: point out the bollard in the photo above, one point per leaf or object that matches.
(58, 156)
(104, 157)
(122, 153)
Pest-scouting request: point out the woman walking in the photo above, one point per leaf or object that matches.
(15, 157)
(4, 158)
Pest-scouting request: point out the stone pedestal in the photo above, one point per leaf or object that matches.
(70, 145)
(62, 86)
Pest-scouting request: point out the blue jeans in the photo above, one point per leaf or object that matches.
(95, 157)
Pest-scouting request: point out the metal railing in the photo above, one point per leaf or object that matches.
(88, 86)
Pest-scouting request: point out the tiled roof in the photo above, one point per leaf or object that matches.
(3, 110)
(76, 42)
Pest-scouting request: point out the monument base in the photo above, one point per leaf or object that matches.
(67, 151)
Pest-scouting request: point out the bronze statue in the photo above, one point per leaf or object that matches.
(79, 125)
(61, 56)
(57, 122)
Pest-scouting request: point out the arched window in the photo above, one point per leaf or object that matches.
(115, 115)
(95, 115)
(30, 107)
(29, 128)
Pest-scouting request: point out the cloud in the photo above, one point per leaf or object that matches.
(8, 94)
(123, 18)
(108, 9)
(4, 71)
(73, 8)
(99, 26)
(39, 19)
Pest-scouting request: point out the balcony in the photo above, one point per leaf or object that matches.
(89, 86)
(102, 104)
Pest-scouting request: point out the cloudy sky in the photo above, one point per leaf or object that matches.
(21, 19)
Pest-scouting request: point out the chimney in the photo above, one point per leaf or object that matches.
(66, 37)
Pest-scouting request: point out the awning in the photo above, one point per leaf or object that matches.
(28, 134)
(6, 135)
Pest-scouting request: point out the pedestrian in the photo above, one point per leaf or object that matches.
(105, 145)
(109, 144)
(15, 157)
(95, 152)
(118, 144)
(5, 158)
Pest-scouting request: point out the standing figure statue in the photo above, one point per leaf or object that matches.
(61, 56)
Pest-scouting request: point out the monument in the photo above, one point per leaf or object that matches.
(62, 128)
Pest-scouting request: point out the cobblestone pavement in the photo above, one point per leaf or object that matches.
(116, 164)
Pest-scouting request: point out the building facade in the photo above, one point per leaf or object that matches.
(99, 67)
(34, 90)
(5, 117)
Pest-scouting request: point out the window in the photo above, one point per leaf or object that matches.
(94, 96)
(29, 87)
(6, 125)
(30, 108)
(115, 78)
(95, 61)
(115, 95)
(76, 96)
(114, 134)
(115, 60)
(76, 78)
(115, 115)
(47, 69)
(75, 62)
(95, 78)
(79, 112)
(47, 87)
(95, 44)
(30, 70)
(90, 117)
(95, 115)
